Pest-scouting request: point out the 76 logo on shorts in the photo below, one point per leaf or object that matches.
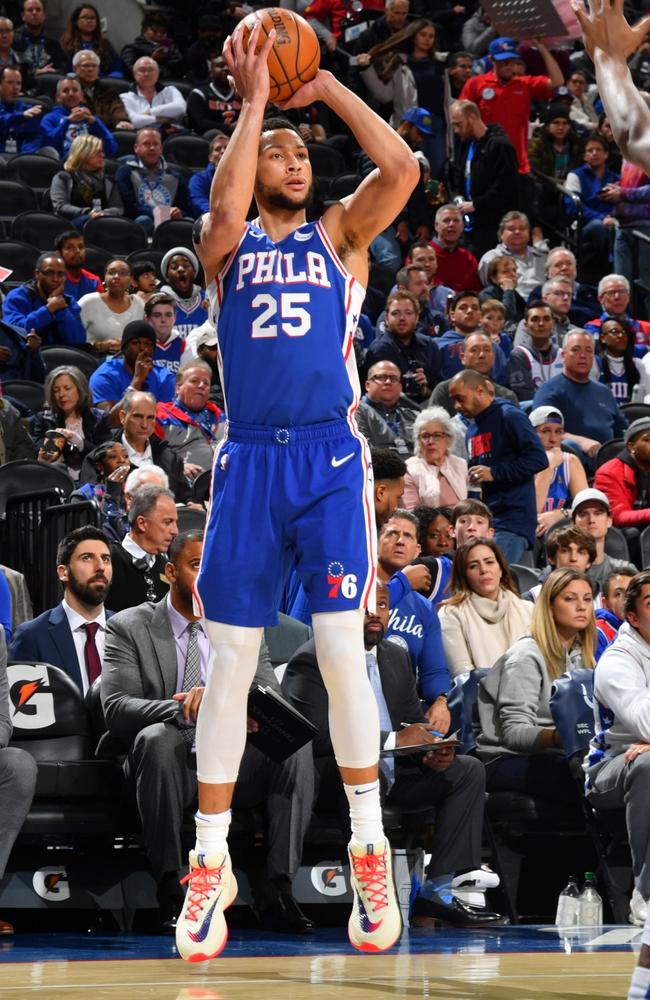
(340, 582)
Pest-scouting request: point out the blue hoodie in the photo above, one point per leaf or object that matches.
(60, 131)
(503, 438)
(26, 132)
(25, 308)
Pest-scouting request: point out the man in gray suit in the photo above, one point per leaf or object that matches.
(155, 662)
(17, 777)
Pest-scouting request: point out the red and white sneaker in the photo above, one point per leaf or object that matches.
(376, 920)
(201, 929)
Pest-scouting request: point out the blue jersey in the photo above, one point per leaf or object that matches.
(414, 625)
(559, 493)
(169, 354)
(286, 315)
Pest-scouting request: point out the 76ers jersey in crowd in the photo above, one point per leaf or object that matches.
(286, 314)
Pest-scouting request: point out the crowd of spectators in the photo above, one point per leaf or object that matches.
(492, 376)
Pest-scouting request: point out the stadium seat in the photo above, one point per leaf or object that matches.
(173, 233)
(125, 138)
(118, 236)
(201, 487)
(111, 166)
(21, 258)
(524, 576)
(284, 638)
(634, 411)
(43, 100)
(116, 83)
(97, 260)
(155, 256)
(572, 709)
(34, 170)
(187, 150)
(47, 84)
(75, 794)
(38, 228)
(56, 354)
(24, 475)
(343, 185)
(190, 519)
(616, 544)
(325, 160)
(31, 394)
(15, 197)
(609, 450)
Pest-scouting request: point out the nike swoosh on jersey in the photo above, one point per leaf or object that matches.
(341, 461)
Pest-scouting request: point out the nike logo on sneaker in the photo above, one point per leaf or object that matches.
(202, 933)
(341, 461)
(366, 923)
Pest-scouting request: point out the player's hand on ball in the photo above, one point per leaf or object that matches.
(308, 93)
(249, 73)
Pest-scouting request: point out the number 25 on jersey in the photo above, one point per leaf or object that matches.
(287, 309)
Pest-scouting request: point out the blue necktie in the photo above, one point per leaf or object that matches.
(386, 764)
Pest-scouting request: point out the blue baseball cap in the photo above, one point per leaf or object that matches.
(503, 48)
(421, 118)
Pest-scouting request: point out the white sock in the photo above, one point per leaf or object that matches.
(365, 813)
(212, 832)
(640, 985)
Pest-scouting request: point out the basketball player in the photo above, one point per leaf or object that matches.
(610, 41)
(292, 481)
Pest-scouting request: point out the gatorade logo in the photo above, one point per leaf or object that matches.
(51, 884)
(328, 879)
(32, 702)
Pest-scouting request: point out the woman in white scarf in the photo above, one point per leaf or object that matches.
(485, 616)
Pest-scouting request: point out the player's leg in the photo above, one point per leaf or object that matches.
(236, 593)
(375, 923)
(640, 984)
(201, 930)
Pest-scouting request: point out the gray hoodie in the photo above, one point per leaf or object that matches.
(621, 698)
(513, 701)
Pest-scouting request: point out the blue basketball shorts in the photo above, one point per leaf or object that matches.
(284, 497)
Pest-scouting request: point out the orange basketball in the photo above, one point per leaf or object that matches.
(295, 56)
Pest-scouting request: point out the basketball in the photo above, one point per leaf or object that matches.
(295, 56)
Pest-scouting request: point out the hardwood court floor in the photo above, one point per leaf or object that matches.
(512, 964)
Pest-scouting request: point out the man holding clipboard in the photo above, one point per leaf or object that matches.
(413, 782)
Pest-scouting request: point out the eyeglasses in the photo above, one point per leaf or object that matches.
(435, 436)
(614, 291)
(385, 378)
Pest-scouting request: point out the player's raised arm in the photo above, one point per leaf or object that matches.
(382, 195)
(610, 41)
(232, 185)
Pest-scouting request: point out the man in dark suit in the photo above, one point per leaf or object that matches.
(71, 635)
(139, 560)
(17, 778)
(454, 785)
(157, 657)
